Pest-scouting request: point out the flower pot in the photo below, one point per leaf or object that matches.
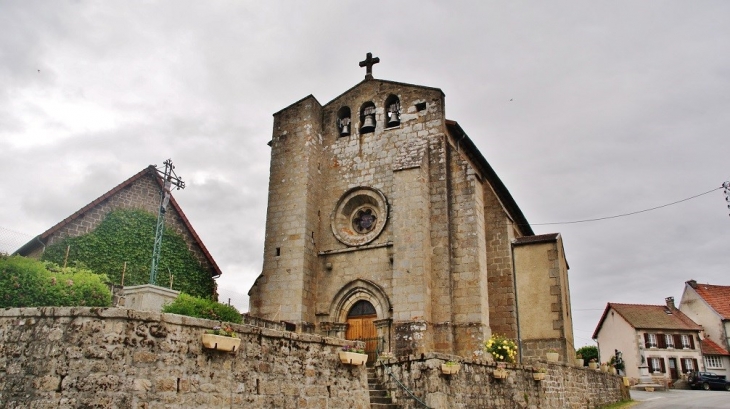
(552, 356)
(538, 376)
(592, 365)
(221, 343)
(649, 389)
(579, 362)
(450, 369)
(604, 368)
(613, 371)
(352, 358)
(500, 373)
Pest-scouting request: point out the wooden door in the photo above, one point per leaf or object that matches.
(363, 328)
(673, 369)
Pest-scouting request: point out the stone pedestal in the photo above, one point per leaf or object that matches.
(644, 376)
(147, 297)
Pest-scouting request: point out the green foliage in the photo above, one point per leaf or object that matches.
(128, 236)
(26, 282)
(588, 352)
(502, 348)
(192, 306)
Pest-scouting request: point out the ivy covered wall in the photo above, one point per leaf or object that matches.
(127, 235)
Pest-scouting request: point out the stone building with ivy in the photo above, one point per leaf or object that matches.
(114, 235)
(385, 222)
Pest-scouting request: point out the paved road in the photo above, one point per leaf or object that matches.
(681, 399)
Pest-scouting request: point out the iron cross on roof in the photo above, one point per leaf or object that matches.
(369, 62)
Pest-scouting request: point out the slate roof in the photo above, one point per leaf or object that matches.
(717, 296)
(486, 170)
(642, 316)
(711, 348)
(540, 238)
(40, 239)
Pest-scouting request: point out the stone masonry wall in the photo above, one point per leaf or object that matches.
(118, 358)
(502, 309)
(564, 387)
(144, 194)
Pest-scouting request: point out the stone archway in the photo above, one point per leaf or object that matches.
(358, 293)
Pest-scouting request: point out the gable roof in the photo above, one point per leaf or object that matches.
(539, 238)
(642, 316)
(39, 240)
(711, 348)
(716, 296)
(402, 84)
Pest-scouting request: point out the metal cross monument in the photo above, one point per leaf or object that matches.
(169, 179)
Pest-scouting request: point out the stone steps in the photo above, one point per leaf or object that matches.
(379, 398)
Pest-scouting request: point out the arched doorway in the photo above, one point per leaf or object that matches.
(361, 326)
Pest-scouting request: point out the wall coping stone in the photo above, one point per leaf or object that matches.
(151, 316)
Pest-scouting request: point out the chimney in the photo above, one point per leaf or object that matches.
(670, 303)
(692, 283)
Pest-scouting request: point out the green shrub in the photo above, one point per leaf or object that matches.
(128, 236)
(191, 306)
(26, 282)
(588, 352)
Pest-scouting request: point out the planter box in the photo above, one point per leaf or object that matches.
(552, 356)
(500, 373)
(450, 369)
(352, 358)
(221, 343)
(538, 376)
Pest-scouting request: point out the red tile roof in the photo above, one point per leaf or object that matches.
(711, 348)
(28, 247)
(717, 296)
(642, 316)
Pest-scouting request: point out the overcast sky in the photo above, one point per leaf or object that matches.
(584, 109)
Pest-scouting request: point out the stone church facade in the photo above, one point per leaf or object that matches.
(385, 221)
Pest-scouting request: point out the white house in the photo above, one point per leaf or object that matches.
(709, 306)
(659, 336)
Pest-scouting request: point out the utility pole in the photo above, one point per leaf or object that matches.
(726, 185)
(169, 179)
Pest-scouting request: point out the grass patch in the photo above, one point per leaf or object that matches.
(621, 405)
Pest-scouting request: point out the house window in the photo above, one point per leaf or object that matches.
(669, 339)
(656, 364)
(650, 340)
(686, 342)
(713, 361)
(688, 364)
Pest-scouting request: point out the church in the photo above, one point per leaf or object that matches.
(386, 224)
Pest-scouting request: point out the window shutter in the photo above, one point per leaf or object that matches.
(646, 340)
(661, 362)
(683, 365)
(692, 342)
(661, 340)
(650, 363)
(677, 340)
(694, 361)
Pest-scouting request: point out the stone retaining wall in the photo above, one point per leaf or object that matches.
(118, 358)
(475, 387)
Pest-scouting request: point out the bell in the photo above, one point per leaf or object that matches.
(345, 130)
(393, 120)
(368, 124)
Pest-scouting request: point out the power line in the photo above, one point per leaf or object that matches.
(631, 213)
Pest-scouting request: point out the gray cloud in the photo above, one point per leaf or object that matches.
(583, 109)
